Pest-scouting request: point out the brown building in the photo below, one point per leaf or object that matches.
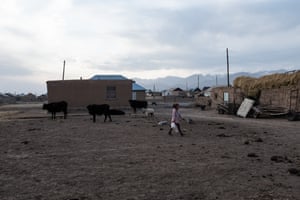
(114, 90)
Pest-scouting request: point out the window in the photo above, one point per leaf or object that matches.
(111, 92)
(226, 97)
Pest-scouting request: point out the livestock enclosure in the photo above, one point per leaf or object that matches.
(280, 92)
(275, 90)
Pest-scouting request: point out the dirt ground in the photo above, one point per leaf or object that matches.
(133, 158)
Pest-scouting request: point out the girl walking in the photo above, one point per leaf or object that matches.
(176, 117)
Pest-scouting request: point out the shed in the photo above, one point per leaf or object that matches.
(178, 92)
(138, 92)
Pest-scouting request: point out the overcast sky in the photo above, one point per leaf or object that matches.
(143, 38)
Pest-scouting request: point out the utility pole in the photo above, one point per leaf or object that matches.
(63, 76)
(198, 82)
(227, 67)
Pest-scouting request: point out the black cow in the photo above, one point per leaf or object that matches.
(101, 109)
(55, 107)
(138, 104)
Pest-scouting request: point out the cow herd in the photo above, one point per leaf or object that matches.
(96, 109)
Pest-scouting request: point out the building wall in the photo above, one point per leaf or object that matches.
(285, 97)
(235, 95)
(140, 95)
(80, 93)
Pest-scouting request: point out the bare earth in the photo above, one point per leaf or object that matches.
(133, 158)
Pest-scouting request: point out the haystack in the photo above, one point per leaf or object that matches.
(252, 86)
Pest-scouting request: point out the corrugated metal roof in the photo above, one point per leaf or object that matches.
(137, 87)
(108, 77)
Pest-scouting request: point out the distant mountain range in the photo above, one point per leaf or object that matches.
(191, 82)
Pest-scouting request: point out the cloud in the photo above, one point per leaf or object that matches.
(10, 66)
(146, 36)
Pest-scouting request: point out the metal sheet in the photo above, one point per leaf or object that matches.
(245, 107)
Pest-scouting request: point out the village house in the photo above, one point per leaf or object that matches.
(114, 90)
(178, 92)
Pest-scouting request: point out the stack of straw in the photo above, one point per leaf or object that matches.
(252, 86)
